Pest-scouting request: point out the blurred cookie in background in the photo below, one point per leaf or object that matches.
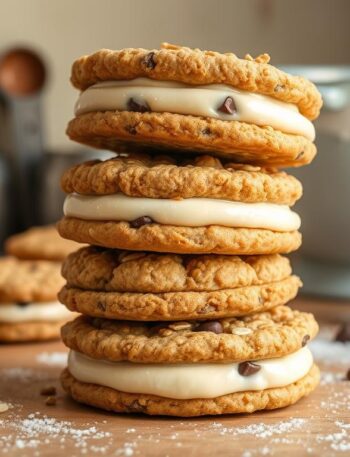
(29, 309)
(40, 243)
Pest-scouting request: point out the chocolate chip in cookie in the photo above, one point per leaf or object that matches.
(248, 368)
(228, 106)
(22, 304)
(305, 340)
(210, 326)
(140, 221)
(149, 60)
(139, 106)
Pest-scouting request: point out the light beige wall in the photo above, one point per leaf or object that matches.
(292, 31)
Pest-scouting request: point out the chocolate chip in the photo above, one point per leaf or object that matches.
(206, 131)
(344, 333)
(299, 155)
(305, 340)
(140, 221)
(248, 368)
(209, 326)
(228, 107)
(22, 304)
(101, 306)
(50, 390)
(149, 60)
(139, 107)
(348, 375)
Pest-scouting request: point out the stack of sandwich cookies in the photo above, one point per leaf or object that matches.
(183, 292)
(29, 309)
(29, 283)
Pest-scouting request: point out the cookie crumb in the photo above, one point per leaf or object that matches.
(50, 401)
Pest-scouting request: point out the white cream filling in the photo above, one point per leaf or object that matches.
(185, 381)
(46, 311)
(188, 212)
(174, 97)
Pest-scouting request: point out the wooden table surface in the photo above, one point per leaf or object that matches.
(317, 425)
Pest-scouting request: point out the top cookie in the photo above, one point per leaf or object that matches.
(26, 281)
(40, 243)
(140, 175)
(193, 66)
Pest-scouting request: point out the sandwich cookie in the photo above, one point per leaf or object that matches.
(40, 243)
(143, 286)
(201, 206)
(235, 365)
(188, 100)
(29, 309)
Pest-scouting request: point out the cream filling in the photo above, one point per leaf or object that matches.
(174, 97)
(185, 381)
(188, 212)
(48, 311)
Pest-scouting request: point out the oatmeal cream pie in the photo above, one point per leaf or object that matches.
(144, 286)
(188, 100)
(199, 206)
(40, 243)
(235, 365)
(29, 309)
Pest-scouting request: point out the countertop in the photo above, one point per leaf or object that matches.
(317, 425)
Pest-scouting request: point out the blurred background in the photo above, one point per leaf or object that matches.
(307, 37)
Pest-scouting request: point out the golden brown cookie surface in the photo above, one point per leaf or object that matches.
(193, 66)
(29, 280)
(212, 239)
(126, 131)
(109, 270)
(39, 243)
(241, 402)
(30, 331)
(140, 175)
(181, 305)
(142, 286)
(275, 333)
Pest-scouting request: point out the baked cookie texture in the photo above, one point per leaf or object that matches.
(39, 243)
(274, 333)
(142, 286)
(30, 331)
(180, 305)
(29, 280)
(141, 175)
(193, 66)
(212, 239)
(126, 131)
(112, 270)
(241, 402)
